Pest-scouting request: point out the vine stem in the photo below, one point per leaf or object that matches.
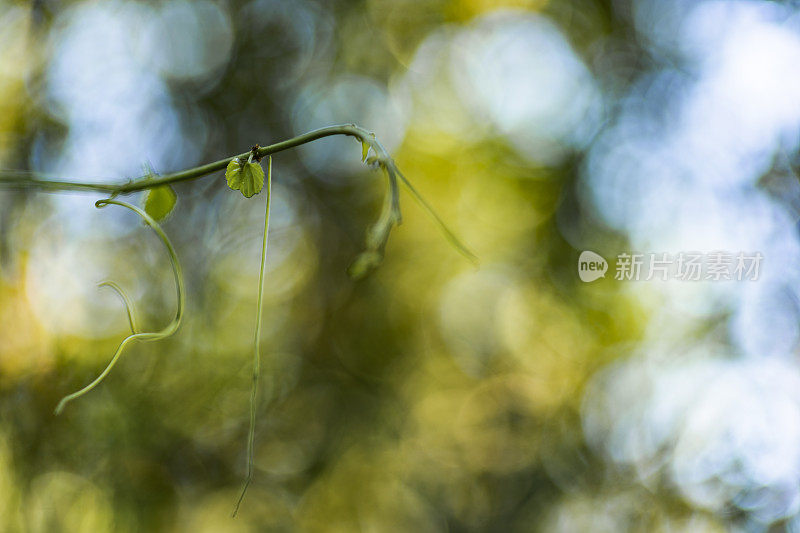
(251, 433)
(15, 179)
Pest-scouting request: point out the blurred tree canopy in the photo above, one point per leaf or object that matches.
(431, 396)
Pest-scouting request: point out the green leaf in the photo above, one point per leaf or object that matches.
(233, 174)
(160, 201)
(247, 177)
(364, 151)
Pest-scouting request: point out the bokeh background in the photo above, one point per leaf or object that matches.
(432, 396)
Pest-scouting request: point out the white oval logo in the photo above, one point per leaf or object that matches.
(591, 266)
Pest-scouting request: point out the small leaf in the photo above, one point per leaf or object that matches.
(159, 202)
(233, 175)
(364, 151)
(246, 177)
(252, 179)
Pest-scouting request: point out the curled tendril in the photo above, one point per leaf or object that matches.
(126, 301)
(170, 328)
(378, 233)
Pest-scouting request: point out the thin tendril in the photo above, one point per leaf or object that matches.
(144, 336)
(126, 301)
(448, 233)
(251, 434)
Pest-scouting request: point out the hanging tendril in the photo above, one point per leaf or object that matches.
(390, 216)
(251, 433)
(170, 328)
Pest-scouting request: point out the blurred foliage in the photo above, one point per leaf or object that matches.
(431, 396)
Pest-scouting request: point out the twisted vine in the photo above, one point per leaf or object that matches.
(168, 330)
